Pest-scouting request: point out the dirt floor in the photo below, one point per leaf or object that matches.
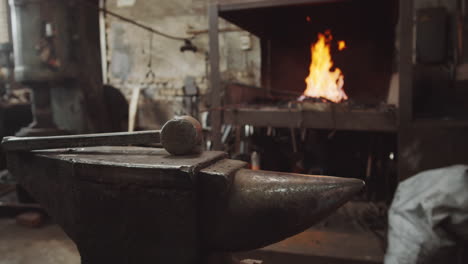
(45, 245)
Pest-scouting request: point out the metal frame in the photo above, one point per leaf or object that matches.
(295, 118)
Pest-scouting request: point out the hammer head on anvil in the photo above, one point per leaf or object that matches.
(182, 135)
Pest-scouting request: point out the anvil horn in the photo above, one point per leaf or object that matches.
(265, 207)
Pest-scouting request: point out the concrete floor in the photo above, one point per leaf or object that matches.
(45, 245)
(50, 245)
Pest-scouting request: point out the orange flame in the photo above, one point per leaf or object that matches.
(322, 82)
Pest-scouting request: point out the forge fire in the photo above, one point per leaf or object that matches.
(324, 80)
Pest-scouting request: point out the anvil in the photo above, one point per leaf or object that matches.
(140, 205)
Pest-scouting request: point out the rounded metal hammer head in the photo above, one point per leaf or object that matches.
(182, 135)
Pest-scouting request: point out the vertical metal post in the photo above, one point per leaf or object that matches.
(215, 79)
(406, 62)
(103, 40)
(405, 113)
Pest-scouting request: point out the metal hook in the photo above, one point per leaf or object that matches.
(150, 73)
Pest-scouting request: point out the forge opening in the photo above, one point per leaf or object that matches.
(286, 33)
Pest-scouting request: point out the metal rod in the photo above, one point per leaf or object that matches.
(84, 140)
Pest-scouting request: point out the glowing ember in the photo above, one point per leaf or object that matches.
(323, 82)
(341, 45)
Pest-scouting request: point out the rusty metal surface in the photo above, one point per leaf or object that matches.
(131, 157)
(216, 179)
(224, 168)
(137, 165)
(273, 206)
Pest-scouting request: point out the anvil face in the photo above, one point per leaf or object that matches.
(142, 205)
